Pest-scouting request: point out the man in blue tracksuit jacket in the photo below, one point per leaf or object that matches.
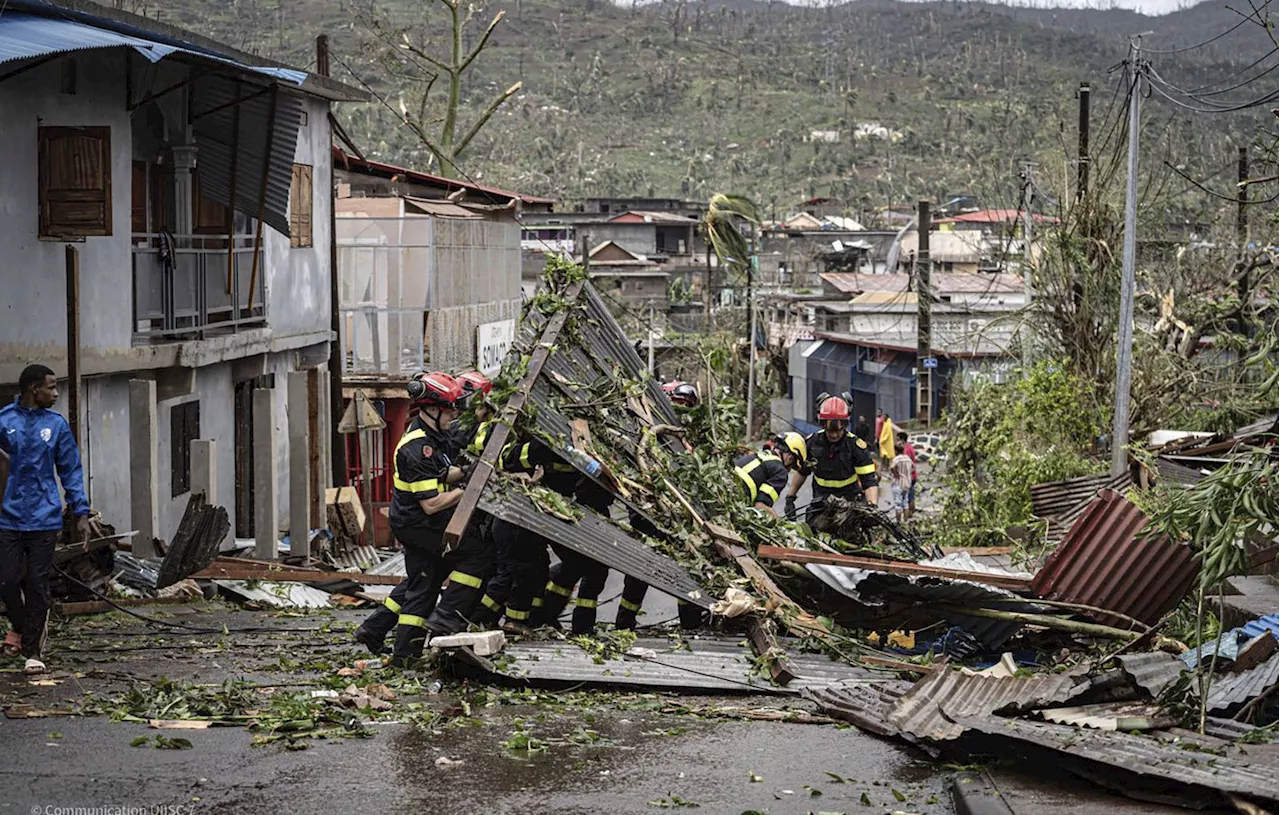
(35, 442)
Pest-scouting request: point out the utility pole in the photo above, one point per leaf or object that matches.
(1243, 286)
(1028, 291)
(751, 341)
(1124, 344)
(924, 318)
(1082, 160)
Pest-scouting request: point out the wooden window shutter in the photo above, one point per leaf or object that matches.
(75, 181)
(300, 205)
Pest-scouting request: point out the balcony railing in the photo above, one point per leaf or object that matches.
(183, 287)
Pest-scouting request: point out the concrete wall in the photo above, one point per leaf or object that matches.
(33, 308)
(298, 279)
(638, 238)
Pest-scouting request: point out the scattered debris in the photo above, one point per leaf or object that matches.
(196, 543)
(932, 708)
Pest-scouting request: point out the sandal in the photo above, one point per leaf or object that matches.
(12, 645)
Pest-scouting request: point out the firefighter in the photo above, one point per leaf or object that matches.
(684, 397)
(526, 550)
(421, 505)
(840, 462)
(476, 388)
(372, 633)
(764, 474)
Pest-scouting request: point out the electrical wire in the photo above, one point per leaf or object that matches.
(1242, 21)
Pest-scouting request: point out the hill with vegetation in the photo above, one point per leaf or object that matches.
(683, 98)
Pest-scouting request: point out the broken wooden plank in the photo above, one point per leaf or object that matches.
(219, 571)
(502, 426)
(763, 642)
(1016, 584)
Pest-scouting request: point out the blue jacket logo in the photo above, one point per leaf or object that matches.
(45, 434)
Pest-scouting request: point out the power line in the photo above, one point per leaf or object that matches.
(1242, 21)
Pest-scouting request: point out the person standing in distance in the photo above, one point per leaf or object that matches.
(38, 452)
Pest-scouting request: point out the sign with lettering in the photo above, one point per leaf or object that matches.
(493, 340)
(930, 362)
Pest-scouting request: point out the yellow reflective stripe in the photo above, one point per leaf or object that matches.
(537, 602)
(752, 489)
(524, 456)
(391, 605)
(513, 614)
(490, 603)
(865, 469)
(465, 579)
(482, 435)
(584, 603)
(411, 486)
(770, 491)
(560, 590)
(844, 482)
(628, 605)
(426, 485)
(413, 620)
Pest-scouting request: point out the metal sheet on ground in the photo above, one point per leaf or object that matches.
(718, 664)
(1145, 755)
(599, 540)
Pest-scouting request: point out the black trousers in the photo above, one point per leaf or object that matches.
(633, 592)
(425, 610)
(573, 569)
(521, 571)
(26, 559)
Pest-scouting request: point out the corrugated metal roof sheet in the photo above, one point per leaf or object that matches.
(931, 708)
(1175, 473)
(704, 663)
(1055, 499)
(1231, 690)
(864, 706)
(868, 588)
(1271, 623)
(342, 161)
(241, 141)
(597, 539)
(1152, 672)
(392, 566)
(1105, 561)
(1142, 754)
(278, 595)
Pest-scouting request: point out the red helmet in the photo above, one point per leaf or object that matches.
(681, 393)
(473, 382)
(436, 388)
(833, 409)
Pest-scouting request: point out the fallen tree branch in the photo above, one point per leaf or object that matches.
(1046, 620)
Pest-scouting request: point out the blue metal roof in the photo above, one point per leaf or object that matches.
(25, 36)
(1271, 623)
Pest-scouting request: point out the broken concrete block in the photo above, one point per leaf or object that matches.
(483, 643)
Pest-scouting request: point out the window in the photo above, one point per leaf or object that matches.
(184, 428)
(208, 217)
(75, 181)
(300, 207)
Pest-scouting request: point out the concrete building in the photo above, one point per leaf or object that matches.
(424, 284)
(866, 341)
(164, 216)
(633, 280)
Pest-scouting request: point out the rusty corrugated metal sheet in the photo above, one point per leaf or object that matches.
(929, 709)
(1106, 561)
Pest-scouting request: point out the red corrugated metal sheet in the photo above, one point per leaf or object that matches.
(1105, 561)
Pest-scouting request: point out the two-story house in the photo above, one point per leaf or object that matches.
(165, 222)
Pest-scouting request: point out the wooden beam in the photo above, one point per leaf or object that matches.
(764, 642)
(236, 571)
(502, 427)
(1016, 584)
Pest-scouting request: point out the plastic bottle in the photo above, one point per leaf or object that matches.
(370, 664)
(583, 461)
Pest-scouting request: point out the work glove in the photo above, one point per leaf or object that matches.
(791, 508)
